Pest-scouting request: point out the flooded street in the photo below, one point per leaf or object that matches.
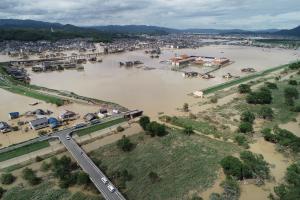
(158, 90)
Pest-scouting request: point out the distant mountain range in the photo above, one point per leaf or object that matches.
(133, 29)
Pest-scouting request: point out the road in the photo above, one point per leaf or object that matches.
(87, 165)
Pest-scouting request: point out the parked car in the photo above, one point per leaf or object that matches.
(111, 188)
(81, 125)
(104, 180)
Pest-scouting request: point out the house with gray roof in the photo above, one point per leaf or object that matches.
(39, 123)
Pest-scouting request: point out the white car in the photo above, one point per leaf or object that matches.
(104, 180)
(111, 188)
(68, 137)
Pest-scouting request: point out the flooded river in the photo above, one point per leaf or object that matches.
(158, 90)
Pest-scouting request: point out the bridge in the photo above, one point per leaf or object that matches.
(88, 165)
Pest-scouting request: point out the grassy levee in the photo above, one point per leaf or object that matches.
(17, 87)
(23, 150)
(99, 127)
(33, 94)
(242, 79)
(184, 164)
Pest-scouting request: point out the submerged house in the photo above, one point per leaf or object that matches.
(53, 122)
(4, 127)
(14, 115)
(89, 117)
(67, 115)
(38, 123)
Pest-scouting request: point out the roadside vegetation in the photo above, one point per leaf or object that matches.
(98, 127)
(172, 164)
(290, 189)
(243, 79)
(42, 183)
(23, 150)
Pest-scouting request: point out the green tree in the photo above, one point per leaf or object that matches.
(155, 128)
(231, 189)
(125, 144)
(83, 178)
(245, 127)
(293, 82)
(271, 86)
(30, 176)
(241, 140)
(188, 130)
(153, 177)
(2, 191)
(232, 166)
(255, 164)
(186, 107)
(244, 88)
(291, 92)
(266, 112)
(144, 121)
(7, 179)
(45, 166)
(263, 96)
(247, 116)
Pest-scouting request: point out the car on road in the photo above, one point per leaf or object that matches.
(111, 188)
(81, 125)
(68, 137)
(95, 121)
(104, 180)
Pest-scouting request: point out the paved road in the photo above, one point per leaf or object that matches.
(88, 165)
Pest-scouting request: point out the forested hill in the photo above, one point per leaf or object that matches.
(31, 30)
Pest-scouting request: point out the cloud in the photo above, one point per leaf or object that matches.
(247, 14)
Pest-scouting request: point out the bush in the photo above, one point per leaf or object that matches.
(291, 189)
(83, 178)
(186, 107)
(144, 121)
(256, 164)
(271, 86)
(291, 92)
(268, 136)
(293, 82)
(244, 88)
(231, 189)
(295, 66)
(2, 191)
(266, 112)
(155, 128)
(248, 116)
(45, 166)
(153, 177)
(188, 130)
(214, 99)
(38, 159)
(7, 179)
(263, 96)
(125, 144)
(30, 176)
(245, 127)
(241, 140)
(120, 129)
(232, 166)
(296, 108)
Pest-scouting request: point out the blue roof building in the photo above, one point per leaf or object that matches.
(53, 122)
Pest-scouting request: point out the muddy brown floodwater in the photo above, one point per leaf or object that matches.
(159, 90)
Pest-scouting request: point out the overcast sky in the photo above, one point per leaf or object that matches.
(244, 14)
